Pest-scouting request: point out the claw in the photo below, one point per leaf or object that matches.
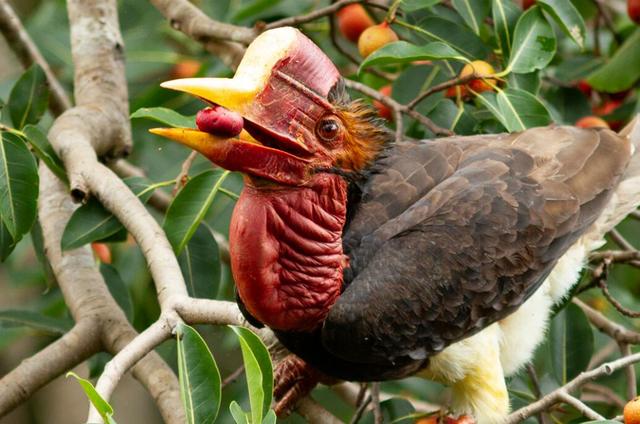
(294, 379)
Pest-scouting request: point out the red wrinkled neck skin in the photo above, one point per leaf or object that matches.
(286, 251)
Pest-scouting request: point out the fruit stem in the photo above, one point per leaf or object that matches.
(393, 10)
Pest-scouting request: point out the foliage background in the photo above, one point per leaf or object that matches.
(153, 51)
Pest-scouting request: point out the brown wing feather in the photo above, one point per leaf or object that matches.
(454, 234)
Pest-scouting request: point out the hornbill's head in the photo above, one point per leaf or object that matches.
(298, 120)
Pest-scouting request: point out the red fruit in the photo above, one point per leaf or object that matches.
(527, 4)
(452, 92)
(633, 9)
(463, 419)
(219, 121)
(585, 87)
(427, 420)
(102, 252)
(592, 122)
(607, 108)
(353, 20)
(185, 69)
(479, 67)
(375, 37)
(383, 110)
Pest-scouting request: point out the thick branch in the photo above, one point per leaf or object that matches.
(71, 349)
(28, 53)
(614, 330)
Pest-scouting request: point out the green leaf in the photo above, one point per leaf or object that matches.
(270, 418)
(457, 36)
(18, 185)
(413, 5)
(190, 206)
(473, 12)
(7, 243)
(200, 384)
(571, 343)
(404, 52)
(165, 116)
(92, 222)
(259, 372)
(505, 16)
(239, 416)
(622, 70)
(102, 406)
(521, 110)
(118, 289)
(22, 318)
(567, 17)
(395, 411)
(200, 264)
(29, 97)
(44, 150)
(534, 43)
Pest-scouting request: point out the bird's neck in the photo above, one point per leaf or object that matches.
(286, 251)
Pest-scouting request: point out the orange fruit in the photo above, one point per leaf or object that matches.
(102, 252)
(375, 37)
(353, 20)
(383, 110)
(185, 68)
(479, 67)
(632, 412)
(592, 122)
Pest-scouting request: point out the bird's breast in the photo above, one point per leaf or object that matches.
(286, 252)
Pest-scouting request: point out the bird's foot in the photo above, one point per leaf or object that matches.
(294, 379)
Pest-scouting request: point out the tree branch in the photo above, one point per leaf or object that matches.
(559, 395)
(28, 53)
(389, 102)
(74, 347)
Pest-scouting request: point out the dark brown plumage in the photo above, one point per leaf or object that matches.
(453, 234)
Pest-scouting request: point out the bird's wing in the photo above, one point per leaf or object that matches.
(442, 250)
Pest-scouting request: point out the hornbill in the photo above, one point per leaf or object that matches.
(373, 259)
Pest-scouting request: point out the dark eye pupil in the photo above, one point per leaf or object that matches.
(328, 129)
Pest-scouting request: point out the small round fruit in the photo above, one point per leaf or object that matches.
(633, 9)
(428, 420)
(353, 20)
(607, 107)
(375, 37)
(452, 92)
(585, 87)
(632, 412)
(592, 122)
(102, 252)
(219, 121)
(527, 4)
(383, 110)
(186, 69)
(479, 67)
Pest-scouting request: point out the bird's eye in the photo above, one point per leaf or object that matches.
(328, 129)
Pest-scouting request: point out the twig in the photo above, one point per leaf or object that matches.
(580, 406)
(607, 394)
(181, 179)
(615, 255)
(630, 372)
(314, 413)
(616, 304)
(312, 16)
(614, 330)
(233, 376)
(533, 376)
(360, 409)
(443, 86)
(620, 240)
(602, 10)
(28, 53)
(375, 401)
(558, 395)
(389, 102)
